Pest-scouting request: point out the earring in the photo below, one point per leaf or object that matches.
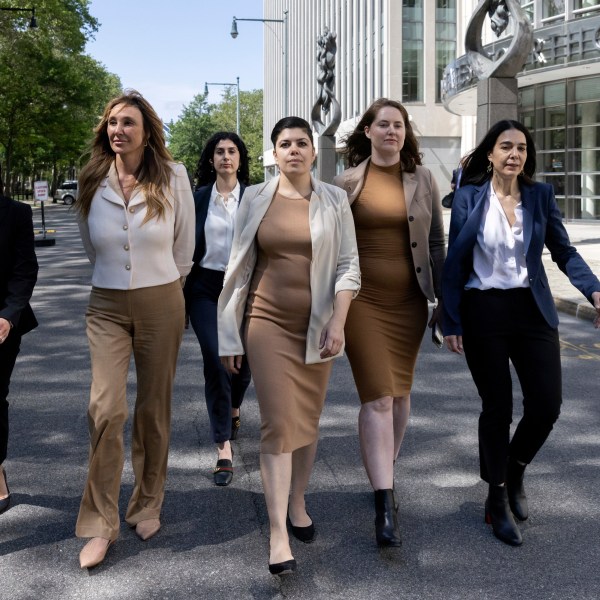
(145, 143)
(489, 167)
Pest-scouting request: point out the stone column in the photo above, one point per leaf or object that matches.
(496, 100)
(326, 158)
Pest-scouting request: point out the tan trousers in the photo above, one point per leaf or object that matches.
(148, 322)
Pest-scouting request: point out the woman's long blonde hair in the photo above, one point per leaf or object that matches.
(155, 171)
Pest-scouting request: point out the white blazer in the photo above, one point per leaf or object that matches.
(334, 266)
(129, 254)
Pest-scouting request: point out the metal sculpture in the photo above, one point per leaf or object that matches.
(326, 102)
(513, 59)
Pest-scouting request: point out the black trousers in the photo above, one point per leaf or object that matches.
(222, 390)
(9, 351)
(501, 326)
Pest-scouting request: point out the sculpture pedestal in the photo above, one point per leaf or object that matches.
(496, 100)
(326, 158)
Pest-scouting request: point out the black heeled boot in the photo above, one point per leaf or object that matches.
(386, 520)
(498, 515)
(516, 492)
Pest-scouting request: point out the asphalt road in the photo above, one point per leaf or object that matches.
(213, 543)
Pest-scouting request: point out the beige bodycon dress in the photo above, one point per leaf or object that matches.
(386, 321)
(290, 393)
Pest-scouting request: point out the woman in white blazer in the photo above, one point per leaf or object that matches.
(136, 217)
(292, 273)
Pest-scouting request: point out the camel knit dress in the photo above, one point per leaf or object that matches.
(290, 393)
(386, 321)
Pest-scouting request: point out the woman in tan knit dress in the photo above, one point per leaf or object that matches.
(399, 229)
(292, 273)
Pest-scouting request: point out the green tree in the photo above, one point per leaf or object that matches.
(51, 91)
(190, 132)
(199, 120)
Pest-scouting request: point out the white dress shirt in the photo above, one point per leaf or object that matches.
(499, 254)
(218, 228)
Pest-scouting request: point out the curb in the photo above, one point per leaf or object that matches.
(581, 310)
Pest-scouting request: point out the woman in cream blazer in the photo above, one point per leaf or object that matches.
(292, 273)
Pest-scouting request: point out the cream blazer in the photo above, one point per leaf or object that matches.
(334, 266)
(425, 223)
(126, 252)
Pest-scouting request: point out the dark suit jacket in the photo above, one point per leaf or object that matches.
(542, 225)
(18, 264)
(201, 201)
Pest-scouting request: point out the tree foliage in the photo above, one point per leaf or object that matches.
(52, 93)
(199, 120)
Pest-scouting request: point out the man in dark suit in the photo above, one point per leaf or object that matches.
(18, 275)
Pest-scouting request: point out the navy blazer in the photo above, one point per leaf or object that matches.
(18, 264)
(542, 225)
(201, 202)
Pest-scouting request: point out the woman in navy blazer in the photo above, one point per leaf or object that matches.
(222, 175)
(498, 308)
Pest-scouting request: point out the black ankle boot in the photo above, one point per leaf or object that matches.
(498, 515)
(516, 492)
(386, 520)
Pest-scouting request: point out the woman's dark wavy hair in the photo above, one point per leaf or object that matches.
(291, 123)
(358, 145)
(206, 175)
(475, 164)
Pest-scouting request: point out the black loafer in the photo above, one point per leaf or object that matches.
(223, 472)
(5, 502)
(283, 568)
(304, 534)
(235, 427)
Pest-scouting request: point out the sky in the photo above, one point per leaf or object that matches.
(168, 49)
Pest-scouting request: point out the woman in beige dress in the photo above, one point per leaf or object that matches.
(292, 274)
(400, 234)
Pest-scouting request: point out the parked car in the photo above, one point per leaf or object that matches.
(66, 192)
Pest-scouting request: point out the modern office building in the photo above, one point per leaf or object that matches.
(392, 48)
(400, 48)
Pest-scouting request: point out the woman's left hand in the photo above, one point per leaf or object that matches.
(596, 299)
(332, 338)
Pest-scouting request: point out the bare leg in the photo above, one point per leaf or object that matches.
(401, 414)
(224, 451)
(235, 412)
(276, 474)
(3, 488)
(376, 435)
(302, 464)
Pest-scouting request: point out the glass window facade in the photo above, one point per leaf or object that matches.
(412, 51)
(445, 39)
(564, 118)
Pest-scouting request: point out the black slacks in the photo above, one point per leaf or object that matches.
(222, 390)
(9, 351)
(501, 326)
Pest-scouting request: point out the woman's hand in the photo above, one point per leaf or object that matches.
(436, 315)
(232, 364)
(596, 299)
(332, 338)
(454, 343)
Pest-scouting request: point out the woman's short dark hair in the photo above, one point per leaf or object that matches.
(475, 164)
(358, 145)
(205, 174)
(291, 123)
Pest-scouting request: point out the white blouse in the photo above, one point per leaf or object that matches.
(126, 252)
(499, 254)
(218, 228)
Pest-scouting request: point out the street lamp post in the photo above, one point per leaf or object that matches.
(284, 21)
(237, 98)
(32, 22)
